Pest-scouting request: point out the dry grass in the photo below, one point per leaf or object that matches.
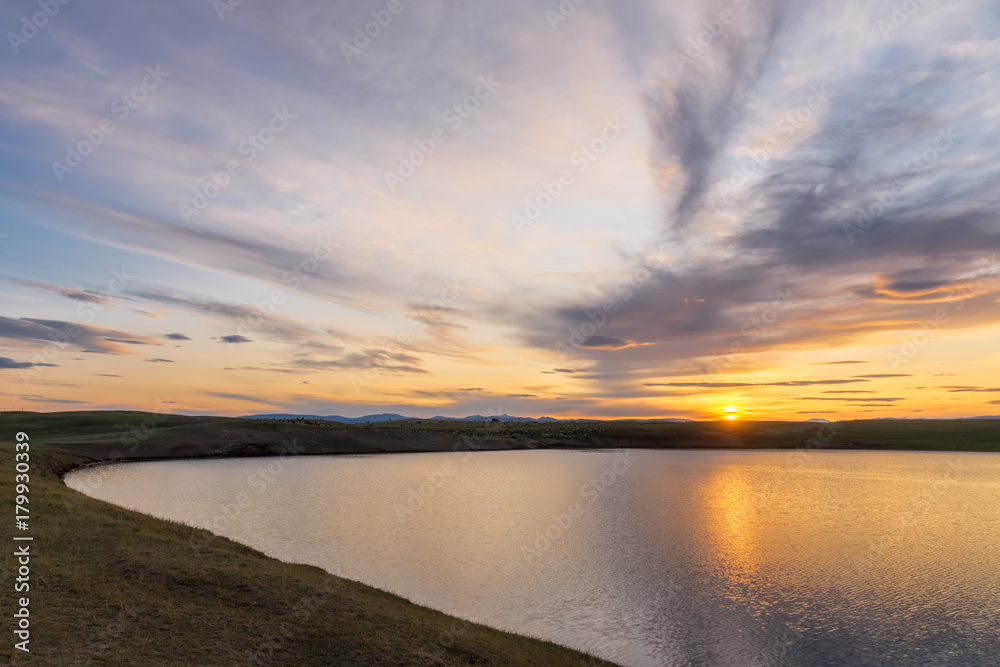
(114, 587)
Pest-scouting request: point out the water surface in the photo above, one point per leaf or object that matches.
(642, 557)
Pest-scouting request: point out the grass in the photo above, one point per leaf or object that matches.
(115, 587)
(111, 586)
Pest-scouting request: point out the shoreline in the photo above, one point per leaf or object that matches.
(128, 588)
(123, 587)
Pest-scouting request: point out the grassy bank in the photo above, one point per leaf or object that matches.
(114, 587)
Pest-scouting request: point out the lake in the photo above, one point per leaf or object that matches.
(642, 557)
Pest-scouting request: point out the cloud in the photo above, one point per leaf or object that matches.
(521, 396)
(728, 385)
(160, 361)
(81, 336)
(235, 338)
(176, 336)
(606, 343)
(238, 397)
(369, 359)
(472, 389)
(974, 389)
(836, 363)
(7, 363)
(263, 369)
(86, 296)
(43, 399)
(885, 375)
(857, 400)
(246, 318)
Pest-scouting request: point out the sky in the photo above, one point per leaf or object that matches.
(763, 208)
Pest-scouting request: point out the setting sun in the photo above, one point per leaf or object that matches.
(731, 412)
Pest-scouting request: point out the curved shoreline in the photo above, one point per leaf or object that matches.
(127, 588)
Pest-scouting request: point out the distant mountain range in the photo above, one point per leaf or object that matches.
(388, 417)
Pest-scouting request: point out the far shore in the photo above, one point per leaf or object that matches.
(131, 436)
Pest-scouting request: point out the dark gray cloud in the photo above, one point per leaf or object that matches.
(974, 389)
(54, 333)
(239, 397)
(268, 370)
(727, 385)
(127, 341)
(8, 363)
(857, 400)
(235, 338)
(247, 320)
(160, 361)
(86, 296)
(374, 359)
(43, 399)
(837, 363)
